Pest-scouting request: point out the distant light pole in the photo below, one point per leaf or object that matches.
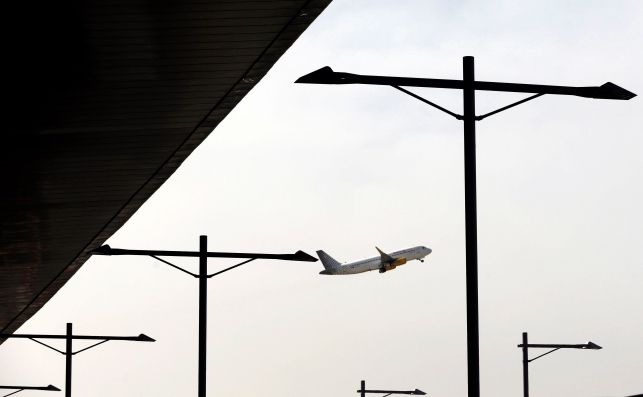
(203, 277)
(526, 360)
(18, 389)
(469, 86)
(69, 337)
(362, 390)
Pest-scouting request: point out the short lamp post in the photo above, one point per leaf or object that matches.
(526, 360)
(203, 254)
(363, 391)
(18, 389)
(69, 337)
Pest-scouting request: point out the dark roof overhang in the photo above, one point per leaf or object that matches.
(103, 101)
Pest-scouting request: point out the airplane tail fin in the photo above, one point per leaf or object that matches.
(327, 260)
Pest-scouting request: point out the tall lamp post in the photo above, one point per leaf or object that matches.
(18, 389)
(69, 337)
(362, 391)
(203, 254)
(469, 86)
(525, 345)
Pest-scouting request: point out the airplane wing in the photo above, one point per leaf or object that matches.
(386, 258)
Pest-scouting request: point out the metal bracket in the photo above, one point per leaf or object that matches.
(89, 347)
(12, 393)
(46, 345)
(544, 354)
(484, 116)
(174, 266)
(231, 267)
(447, 111)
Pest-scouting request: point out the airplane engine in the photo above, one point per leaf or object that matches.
(392, 265)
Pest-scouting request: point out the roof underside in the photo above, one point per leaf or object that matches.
(106, 100)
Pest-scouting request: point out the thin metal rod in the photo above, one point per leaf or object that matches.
(43, 388)
(544, 354)
(484, 116)
(525, 365)
(89, 347)
(174, 266)
(447, 111)
(64, 336)
(231, 267)
(68, 355)
(46, 345)
(12, 393)
(471, 235)
(557, 346)
(196, 254)
(203, 314)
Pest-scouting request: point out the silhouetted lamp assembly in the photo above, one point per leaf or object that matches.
(69, 337)
(203, 254)
(525, 345)
(363, 391)
(18, 389)
(469, 86)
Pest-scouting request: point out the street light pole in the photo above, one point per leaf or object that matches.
(469, 86)
(554, 347)
(69, 337)
(203, 254)
(525, 365)
(471, 226)
(68, 355)
(203, 313)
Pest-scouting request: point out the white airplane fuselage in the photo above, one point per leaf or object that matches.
(383, 263)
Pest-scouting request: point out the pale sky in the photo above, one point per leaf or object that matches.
(345, 168)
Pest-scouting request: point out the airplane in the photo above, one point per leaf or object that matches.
(383, 263)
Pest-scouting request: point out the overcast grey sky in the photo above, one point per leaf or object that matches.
(345, 168)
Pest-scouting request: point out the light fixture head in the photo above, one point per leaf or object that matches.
(144, 338)
(102, 250)
(302, 256)
(592, 346)
(612, 91)
(326, 75)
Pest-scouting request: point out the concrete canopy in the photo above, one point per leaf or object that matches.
(104, 100)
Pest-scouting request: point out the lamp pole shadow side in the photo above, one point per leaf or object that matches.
(203, 254)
